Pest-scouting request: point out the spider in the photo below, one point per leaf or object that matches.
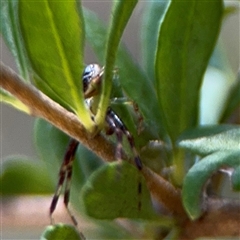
(92, 78)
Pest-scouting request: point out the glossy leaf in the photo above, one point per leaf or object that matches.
(209, 139)
(186, 40)
(198, 175)
(9, 27)
(53, 34)
(138, 87)
(48, 90)
(153, 14)
(112, 192)
(233, 99)
(7, 98)
(20, 175)
(61, 232)
(131, 77)
(122, 11)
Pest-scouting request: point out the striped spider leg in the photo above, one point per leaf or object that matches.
(65, 175)
(91, 84)
(115, 125)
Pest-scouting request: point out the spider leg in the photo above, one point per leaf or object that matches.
(135, 153)
(137, 160)
(118, 152)
(115, 125)
(111, 129)
(65, 175)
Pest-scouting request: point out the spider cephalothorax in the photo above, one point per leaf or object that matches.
(91, 80)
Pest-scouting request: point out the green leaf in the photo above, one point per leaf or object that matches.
(112, 192)
(137, 86)
(53, 34)
(61, 232)
(96, 34)
(9, 26)
(122, 11)
(199, 174)
(235, 179)
(43, 86)
(233, 99)
(23, 176)
(186, 40)
(209, 139)
(131, 77)
(7, 98)
(153, 14)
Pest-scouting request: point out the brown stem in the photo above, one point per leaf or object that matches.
(164, 192)
(222, 218)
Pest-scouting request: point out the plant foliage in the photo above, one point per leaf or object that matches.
(47, 39)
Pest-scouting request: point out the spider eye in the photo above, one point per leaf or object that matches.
(87, 76)
(90, 72)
